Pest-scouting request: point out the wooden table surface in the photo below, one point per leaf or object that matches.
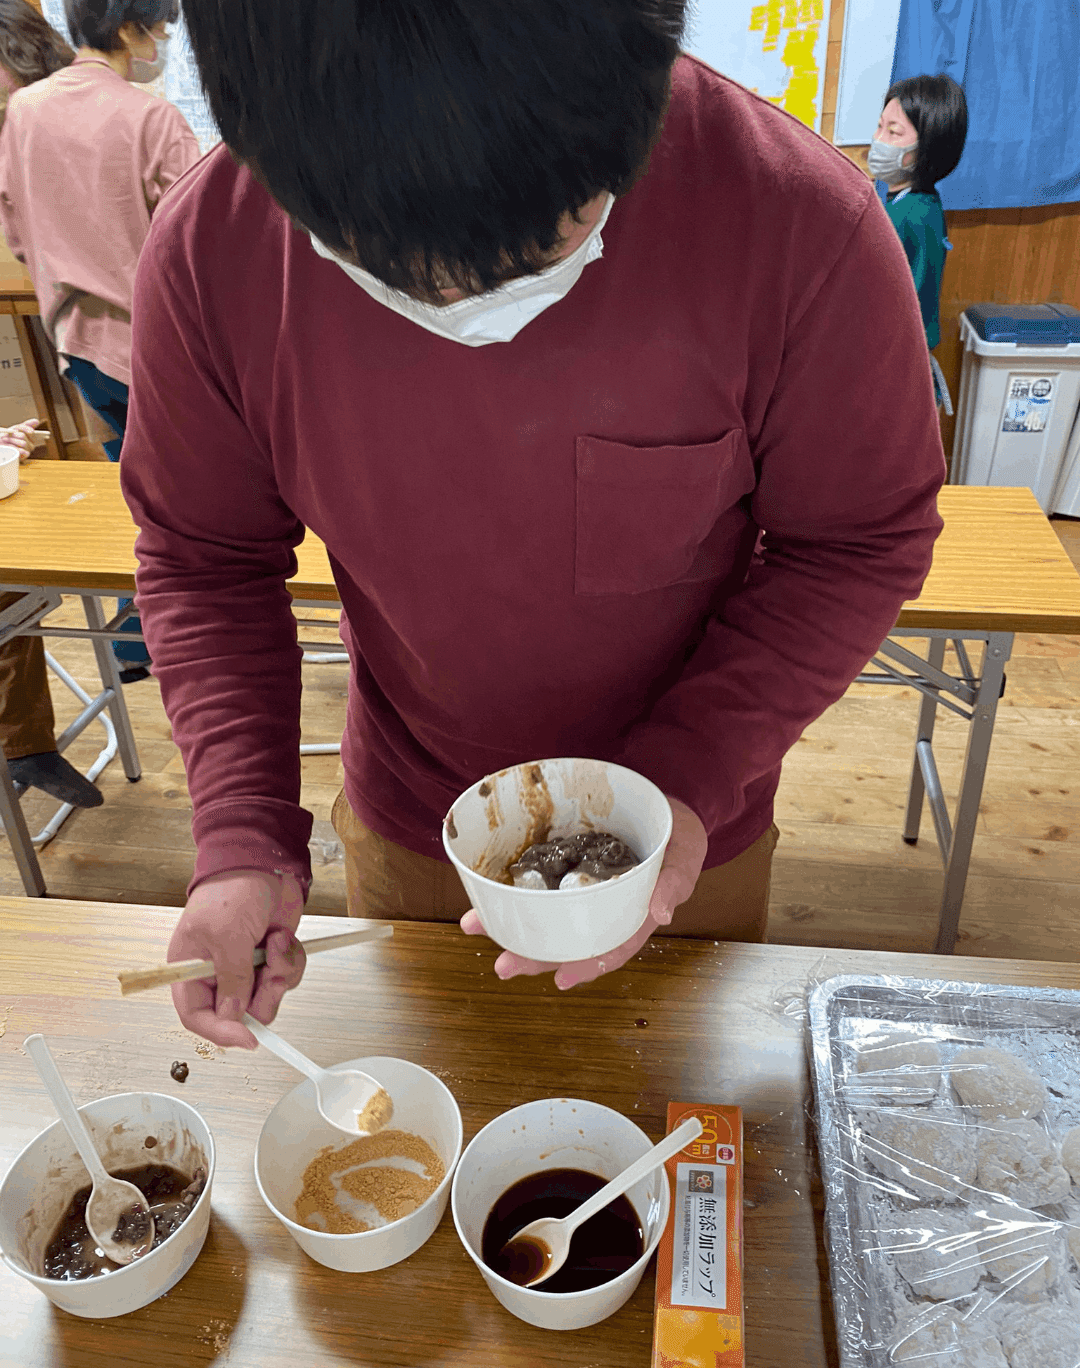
(723, 1025)
(68, 525)
(997, 566)
(15, 282)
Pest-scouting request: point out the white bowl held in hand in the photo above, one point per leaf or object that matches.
(555, 1133)
(490, 824)
(41, 1182)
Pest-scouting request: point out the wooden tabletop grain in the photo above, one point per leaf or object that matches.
(67, 525)
(997, 565)
(724, 1024)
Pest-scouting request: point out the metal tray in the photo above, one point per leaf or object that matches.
(1039, 1025)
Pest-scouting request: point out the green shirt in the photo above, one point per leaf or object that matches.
(920, 221)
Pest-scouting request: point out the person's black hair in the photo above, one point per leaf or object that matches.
(97, 23)
(438, 142)
(937, 108)
(29, 47)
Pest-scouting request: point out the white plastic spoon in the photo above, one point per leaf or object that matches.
(539, 1249)
(112, 1200)
(348, 1099)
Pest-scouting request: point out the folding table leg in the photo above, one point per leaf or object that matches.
(924, 732)
(110, 679)
(980, 733)
(18, 833)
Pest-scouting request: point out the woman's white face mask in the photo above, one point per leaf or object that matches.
(143, 72)
(496, 316)
(886, 162)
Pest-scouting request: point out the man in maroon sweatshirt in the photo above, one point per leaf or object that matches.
(604, 383)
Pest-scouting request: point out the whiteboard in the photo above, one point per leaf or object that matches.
(777, 48)
(866, 59)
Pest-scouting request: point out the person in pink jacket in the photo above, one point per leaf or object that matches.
(85, 158)
(30, 50)
(543, 326)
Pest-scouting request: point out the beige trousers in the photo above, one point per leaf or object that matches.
(384, 880)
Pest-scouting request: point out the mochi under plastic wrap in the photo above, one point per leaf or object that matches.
(953, 1225)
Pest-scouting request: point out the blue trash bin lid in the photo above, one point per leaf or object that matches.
(1047, 325)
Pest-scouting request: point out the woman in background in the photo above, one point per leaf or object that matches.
(919, 141)
(30, 49)
(84, 161)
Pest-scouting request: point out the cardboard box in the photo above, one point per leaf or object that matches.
(14, 382)
(14, 411)
(698, 1320)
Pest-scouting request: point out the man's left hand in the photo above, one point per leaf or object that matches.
(679, 872)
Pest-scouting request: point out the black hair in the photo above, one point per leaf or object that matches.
(29, 47)
(438, 142)
(938, 112)
(97, 23)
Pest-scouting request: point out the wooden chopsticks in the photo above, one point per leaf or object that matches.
(181, 971)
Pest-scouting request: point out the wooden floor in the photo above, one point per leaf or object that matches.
(842, 874)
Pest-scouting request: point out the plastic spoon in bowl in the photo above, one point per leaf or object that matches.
(348, 1099)
(117, 1214)
(539, 1249)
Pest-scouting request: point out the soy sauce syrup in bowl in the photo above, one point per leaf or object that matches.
(605, 1246)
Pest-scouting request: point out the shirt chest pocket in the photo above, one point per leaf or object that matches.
(651, 517)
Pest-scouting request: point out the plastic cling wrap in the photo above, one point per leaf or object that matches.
(949, 1130)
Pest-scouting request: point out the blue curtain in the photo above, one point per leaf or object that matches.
(1019, 64)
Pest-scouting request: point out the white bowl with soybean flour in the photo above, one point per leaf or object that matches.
(557, 1133)
(493, 822)
(294, 1133)
(40, 1184)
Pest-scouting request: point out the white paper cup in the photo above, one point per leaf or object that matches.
(9, 470)
(491, 822)
(558, 1132)
(47, 1174)
(294, 1133)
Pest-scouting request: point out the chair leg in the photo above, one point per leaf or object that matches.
(18, 833)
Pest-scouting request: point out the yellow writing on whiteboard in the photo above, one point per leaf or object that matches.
(798, 24)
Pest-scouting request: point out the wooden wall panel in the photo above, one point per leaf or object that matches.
(832, 84)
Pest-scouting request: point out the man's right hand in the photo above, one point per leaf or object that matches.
(226, 917)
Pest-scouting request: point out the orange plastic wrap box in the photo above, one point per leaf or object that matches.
(699, 1308)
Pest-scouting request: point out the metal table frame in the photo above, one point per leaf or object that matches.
(26, 617)
(972, 694)
(974, 697)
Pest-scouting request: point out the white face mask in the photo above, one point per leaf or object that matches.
(142, 72)
(886, 162)
(496, 316)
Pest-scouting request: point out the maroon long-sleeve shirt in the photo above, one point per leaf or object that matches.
(543, 547)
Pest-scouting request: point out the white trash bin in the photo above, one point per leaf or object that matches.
(1066, 498)
(1019, 396)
